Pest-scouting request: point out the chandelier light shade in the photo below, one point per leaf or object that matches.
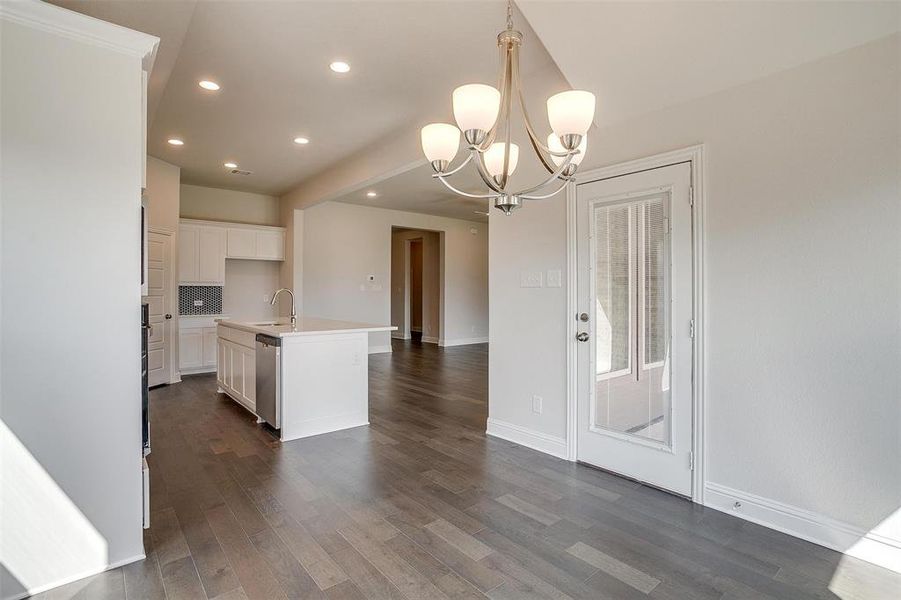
(570, 113)
(476, 107)
(483, 115)
(494, 159)
(440, 142)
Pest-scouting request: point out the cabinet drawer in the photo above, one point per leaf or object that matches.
(242, 338)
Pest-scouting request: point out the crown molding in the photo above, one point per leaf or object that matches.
(82, 28)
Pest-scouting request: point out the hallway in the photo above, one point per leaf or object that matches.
(421, 504)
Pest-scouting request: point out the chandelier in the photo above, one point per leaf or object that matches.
(483, 115)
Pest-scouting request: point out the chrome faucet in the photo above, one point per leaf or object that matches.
(293, 308)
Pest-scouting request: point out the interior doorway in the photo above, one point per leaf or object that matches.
(416, 287)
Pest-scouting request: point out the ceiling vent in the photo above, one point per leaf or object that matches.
(240, 172)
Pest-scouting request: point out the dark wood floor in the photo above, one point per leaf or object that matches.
(421, 504)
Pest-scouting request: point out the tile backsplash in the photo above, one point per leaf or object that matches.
(199, 299)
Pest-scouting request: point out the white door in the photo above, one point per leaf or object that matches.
(635, 304)
(159, 261)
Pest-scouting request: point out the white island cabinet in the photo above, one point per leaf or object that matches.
(322, 376)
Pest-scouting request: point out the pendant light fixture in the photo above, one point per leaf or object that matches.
(483, 116)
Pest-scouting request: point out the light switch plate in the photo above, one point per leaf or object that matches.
(554, 278)
(531, 279)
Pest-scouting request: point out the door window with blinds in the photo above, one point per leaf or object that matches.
(631, 257)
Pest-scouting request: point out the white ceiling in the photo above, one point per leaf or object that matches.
(271, 59)
(639, 57)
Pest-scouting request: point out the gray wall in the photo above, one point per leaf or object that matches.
(70, 374)
(802, 284)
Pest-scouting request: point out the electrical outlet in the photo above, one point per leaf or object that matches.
(536, 404)
(266, 298)
(198, 303)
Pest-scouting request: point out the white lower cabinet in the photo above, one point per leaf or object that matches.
(190, 349)
(236, 372)
(197, 350)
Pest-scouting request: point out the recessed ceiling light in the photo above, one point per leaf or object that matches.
(371, 194)
(339, 66)
(176, 142)
(301, 140)
(209, 85)
(231, 165)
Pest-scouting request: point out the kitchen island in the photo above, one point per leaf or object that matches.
(304, 379)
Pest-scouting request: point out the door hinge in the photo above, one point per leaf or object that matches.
(691, 461)
(691, 329)
(691, 195)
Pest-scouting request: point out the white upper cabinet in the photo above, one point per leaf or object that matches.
(201, 254)
(203, 247)
(256, 243)
(211, 254)
(242, 243)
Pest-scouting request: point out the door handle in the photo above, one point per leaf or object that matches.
(582, 337)
(168, 316)
(583, 317)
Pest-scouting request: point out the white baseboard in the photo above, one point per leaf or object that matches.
(536, 440)
(463, 341)
(428, 339)
(379, 349)
(66, 580)
(813, 527)
(399, 335)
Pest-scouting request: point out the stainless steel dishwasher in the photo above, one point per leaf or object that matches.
(269, 389)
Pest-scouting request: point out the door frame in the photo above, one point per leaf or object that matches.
(695, 156)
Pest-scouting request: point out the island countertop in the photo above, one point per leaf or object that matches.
(305, 326)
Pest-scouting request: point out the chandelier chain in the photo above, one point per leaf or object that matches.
(509, 14)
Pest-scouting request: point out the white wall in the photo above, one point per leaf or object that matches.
(215, 204)
(802, 284)
(344, 243)
(70, 477)
(248, 286)
(163, 195)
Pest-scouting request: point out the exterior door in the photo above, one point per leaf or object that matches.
(159, 261)
(635, 303)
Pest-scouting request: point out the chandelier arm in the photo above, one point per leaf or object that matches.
(537, 144)
(502, 115)
(449, 173)
(489, 181)
(549, 180)
(546, 196)
(512, 59)
(462, 193)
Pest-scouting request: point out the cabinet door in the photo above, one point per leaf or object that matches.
(250, 379)
(190, 348)
(271, 245)
(187, 253)
(225, 365)
(220, 363)
(241, 243)
(209, 346)
(211, 254)
(237, 370)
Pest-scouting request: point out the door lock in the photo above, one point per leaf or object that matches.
(582, 337)
(583, 317)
